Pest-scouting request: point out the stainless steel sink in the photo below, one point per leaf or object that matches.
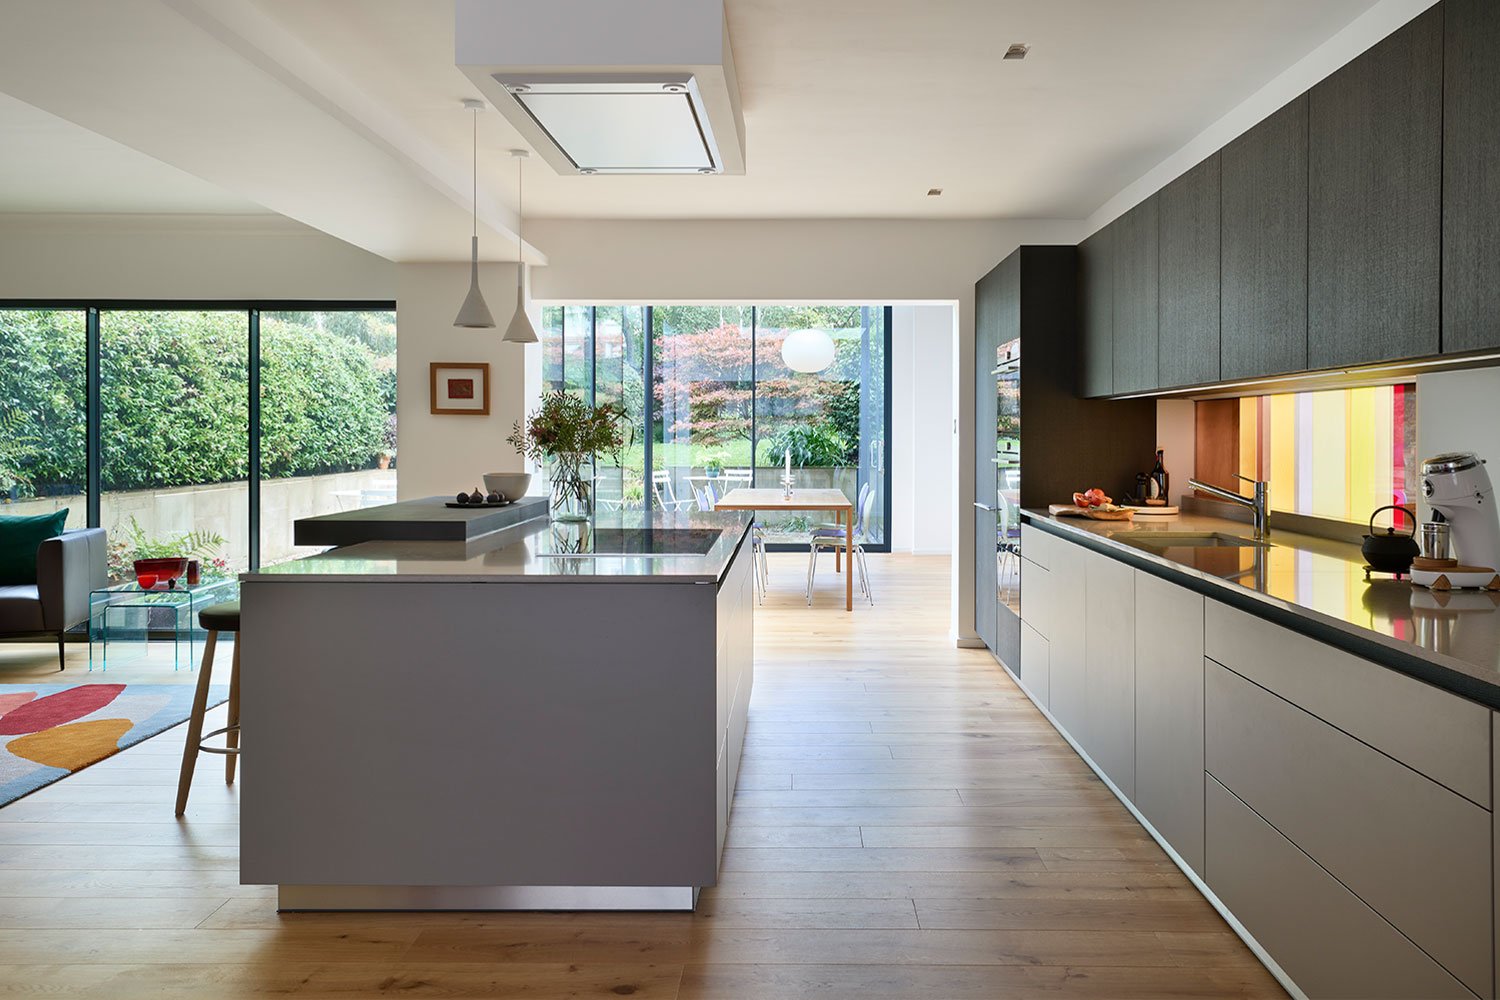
(1148, 539)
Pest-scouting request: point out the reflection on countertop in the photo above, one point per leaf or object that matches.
(684, 547)
(1323, 582)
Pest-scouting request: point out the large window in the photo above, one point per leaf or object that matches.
(43, 412)
(723, 407)
(204, 431)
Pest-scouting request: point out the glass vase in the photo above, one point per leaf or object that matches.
(572, 488)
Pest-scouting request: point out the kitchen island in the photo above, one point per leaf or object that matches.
(543, 717)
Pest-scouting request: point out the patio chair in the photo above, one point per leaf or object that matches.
(835, 540)
(664, 492)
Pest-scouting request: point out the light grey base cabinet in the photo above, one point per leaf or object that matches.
(1169, 713)
(1339, 812)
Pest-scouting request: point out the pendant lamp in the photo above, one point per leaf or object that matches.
(520, 330)
(474, 314)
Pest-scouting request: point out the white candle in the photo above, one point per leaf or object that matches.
(789, 465)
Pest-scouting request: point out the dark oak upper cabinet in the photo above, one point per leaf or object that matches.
(1263, 262)
(1096, 305)
(1135, 306)
(1471, 178)
(1375, 202)
(1188, 338)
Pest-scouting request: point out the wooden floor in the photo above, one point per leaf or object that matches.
(906, 826)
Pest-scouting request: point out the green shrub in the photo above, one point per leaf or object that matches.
(175, 405)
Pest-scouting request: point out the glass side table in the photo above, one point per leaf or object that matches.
(129, 616)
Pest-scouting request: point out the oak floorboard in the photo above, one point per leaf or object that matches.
(906, 827)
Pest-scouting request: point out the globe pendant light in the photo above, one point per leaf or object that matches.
(807, 350)
(520, 330)
(474, 314)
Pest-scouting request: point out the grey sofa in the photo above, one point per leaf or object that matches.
(68, 567)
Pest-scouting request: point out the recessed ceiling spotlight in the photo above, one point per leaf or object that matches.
(1017, 50)
(674, 88)
(934, 192)
(707, 170)
(525, 88)
(587, 170)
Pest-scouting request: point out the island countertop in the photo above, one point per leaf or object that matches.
(1317, 587)
(618, 546)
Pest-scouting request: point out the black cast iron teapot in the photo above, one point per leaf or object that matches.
(1390, 552)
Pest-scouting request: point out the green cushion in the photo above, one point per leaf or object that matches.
(20, 537)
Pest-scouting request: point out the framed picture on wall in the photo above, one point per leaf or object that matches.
(461, 388)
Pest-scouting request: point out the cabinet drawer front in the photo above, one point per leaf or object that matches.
(1321, 934)
(1169, 713)
(1038, 603)
(1036, 545)
(1430, 730)
(1035, 668)
(1417, 853)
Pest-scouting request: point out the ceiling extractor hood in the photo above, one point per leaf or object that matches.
(672, 108)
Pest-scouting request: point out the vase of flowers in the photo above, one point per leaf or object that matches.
(564, 435)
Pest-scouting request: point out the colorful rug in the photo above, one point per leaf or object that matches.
(49, 731)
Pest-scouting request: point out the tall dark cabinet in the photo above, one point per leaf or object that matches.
(1471, 176)
(1037, 440)
(1188, 330)
(1263, 240)
(1135, 298)
(1096, 314)
(1375, 134)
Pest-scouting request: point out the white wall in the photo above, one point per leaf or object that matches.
(444, 453)
(182, 257)
(923, 448)
(1455, 412)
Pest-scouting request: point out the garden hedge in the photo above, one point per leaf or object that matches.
(174, 398)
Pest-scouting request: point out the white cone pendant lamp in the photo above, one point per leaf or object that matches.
(520, 330)
(474, 314)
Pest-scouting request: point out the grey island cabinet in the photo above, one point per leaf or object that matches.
(544, 717)
(1317, 754)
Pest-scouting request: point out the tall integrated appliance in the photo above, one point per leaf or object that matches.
(1035, 440)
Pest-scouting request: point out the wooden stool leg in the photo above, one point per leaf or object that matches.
(195, 723)
(233, 736)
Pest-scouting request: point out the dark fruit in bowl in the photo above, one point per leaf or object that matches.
(494, 497)
(462, 498)
(476, 496)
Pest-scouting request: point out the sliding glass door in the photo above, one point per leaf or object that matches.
(712, 403)
(44, 413)
(175, 434)
(200, 429)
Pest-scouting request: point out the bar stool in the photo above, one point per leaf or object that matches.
(215, 619)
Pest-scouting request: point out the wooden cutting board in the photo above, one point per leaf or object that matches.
(1073, 510)
(1164, 511)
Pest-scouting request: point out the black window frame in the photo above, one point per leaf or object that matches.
(252, 308)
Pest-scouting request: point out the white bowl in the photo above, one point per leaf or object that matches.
(513, 484)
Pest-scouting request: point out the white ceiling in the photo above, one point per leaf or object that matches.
(854, 108)
(53, 166)
(344, 114)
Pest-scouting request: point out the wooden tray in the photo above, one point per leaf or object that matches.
(1165, 511)
(1093, 514)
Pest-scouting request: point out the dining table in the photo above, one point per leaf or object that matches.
(759, 498)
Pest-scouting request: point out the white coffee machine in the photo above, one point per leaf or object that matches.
(1457, 488)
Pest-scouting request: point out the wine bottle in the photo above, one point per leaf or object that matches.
(1160, 481)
